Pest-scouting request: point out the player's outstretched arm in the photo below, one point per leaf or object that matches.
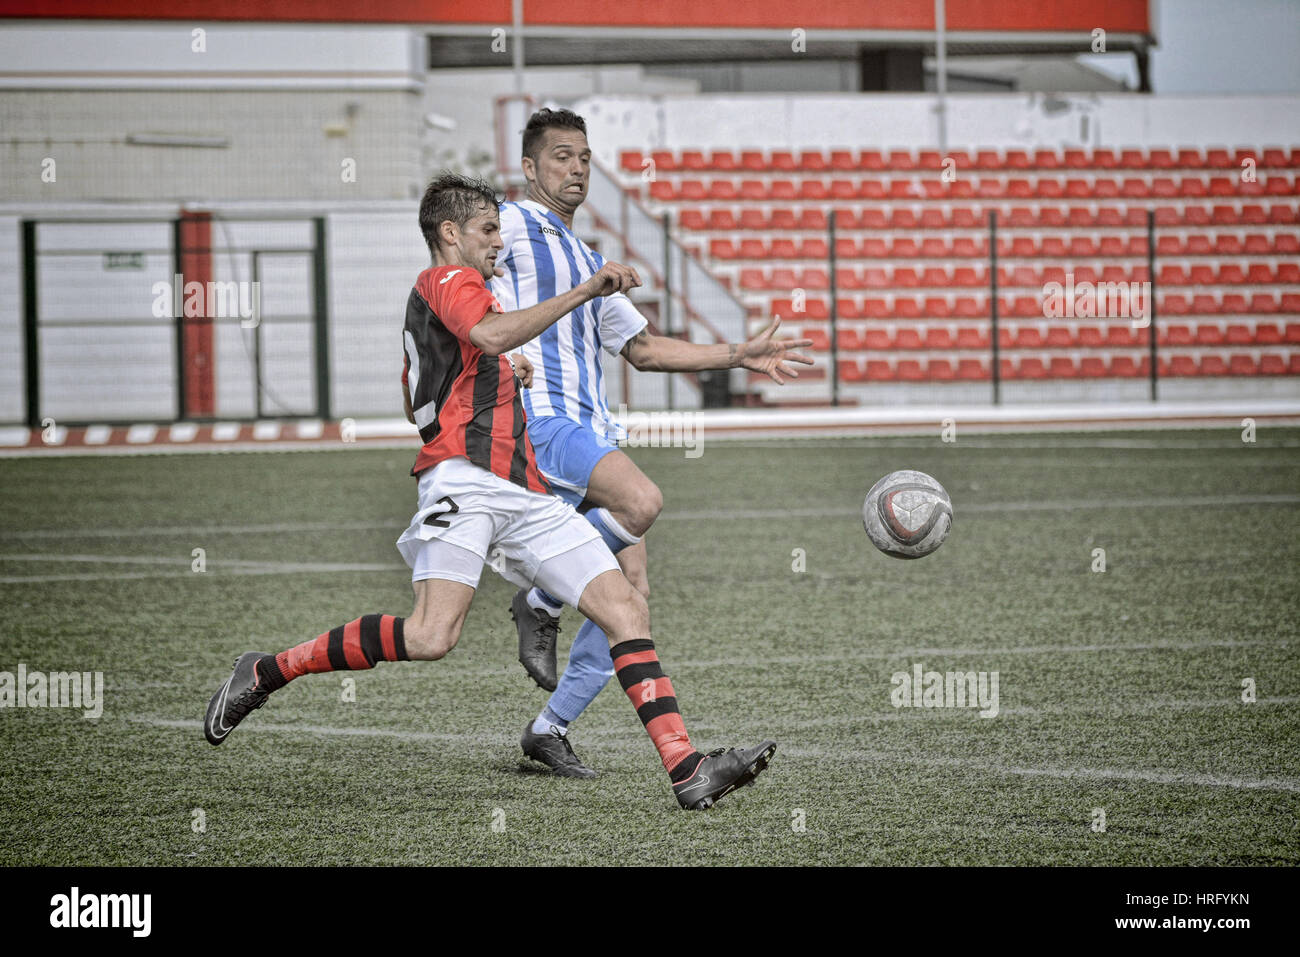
(764, 353)
(499, 332)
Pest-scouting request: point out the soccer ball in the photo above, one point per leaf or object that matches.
(907, 514)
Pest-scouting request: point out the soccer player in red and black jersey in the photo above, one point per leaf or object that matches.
(481, 495)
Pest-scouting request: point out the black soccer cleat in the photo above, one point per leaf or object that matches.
(538, 633)
(720, 773)
(244, 691)
(554, 751)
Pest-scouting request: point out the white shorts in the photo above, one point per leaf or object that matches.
(468, 516)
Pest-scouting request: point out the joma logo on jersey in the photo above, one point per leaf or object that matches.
(549, 231)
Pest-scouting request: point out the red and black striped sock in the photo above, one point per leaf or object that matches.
(651, 693)
(356, 646)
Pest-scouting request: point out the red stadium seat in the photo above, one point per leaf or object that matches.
(723, 161)
(1233, 304)
(874, 308)
(821, 342)
(904, 217)
(782, 189)
(971, 338)
(693, 160)
(691, 218)
(878, 370)
(872, 160)
(1203, 305)
(752, 189)
(909, 370)
(662, 190)
(972, 370)
(814, 277)
(939, 370)
(1027, 337)
(1191, 187)
(906, 307)
(1196, 216)
(843, 161)
(1062, 367)
(872, 189)
(630, 161)
(933, 219)
(751, 218)
(873, 249)
(1268, 334)
(782, 218)
(1271, 365)
(1256, 244)
(1209, 335)
(722, 249)
(665, 161)
(813, 189)
(753, 279)
(1189, 159)
(1238, 335)
(1213, 365)
(1104, 159)
(1176, 336)
(1182, 367)
(929, 159)
(812, 249)
(721, 219)
(1092, 337)
(1288, 272)
(1059, 336)
(1282, 215)
(937, 337)
(1092, 367)
(901, 160)
(1173, 305)
(1261, 274)
(753, 161)
(782, 161)
(1161, 159)
(873, 217)
(968, 307)
(908, 338)
(1286, 244)
(905, 247)
(1293, 333)
(1218, 158)
(1273, 158)
(1124, 367)
(843, 189)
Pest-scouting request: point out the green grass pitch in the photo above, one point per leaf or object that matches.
(1120, 691)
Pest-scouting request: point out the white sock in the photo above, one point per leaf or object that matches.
(538, 603)
(544, 723)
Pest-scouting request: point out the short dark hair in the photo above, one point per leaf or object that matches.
(545, 119)
(456, 198)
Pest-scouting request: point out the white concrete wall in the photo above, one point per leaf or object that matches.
(910, 121)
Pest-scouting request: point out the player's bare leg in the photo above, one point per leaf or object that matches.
(618, 485)
(698, 780)
(430, 632)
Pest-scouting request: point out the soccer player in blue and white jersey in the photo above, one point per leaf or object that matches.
(569, 424)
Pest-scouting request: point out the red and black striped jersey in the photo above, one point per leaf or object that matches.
(466, 403)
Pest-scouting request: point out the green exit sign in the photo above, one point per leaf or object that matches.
(123, 260)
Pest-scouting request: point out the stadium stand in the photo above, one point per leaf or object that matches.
(912, 280)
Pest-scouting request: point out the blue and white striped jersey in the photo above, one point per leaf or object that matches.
(543, 258)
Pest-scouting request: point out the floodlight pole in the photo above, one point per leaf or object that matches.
(941, 74)
(517, 13)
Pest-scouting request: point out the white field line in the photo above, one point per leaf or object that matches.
(223, 568)
(495, 740)
(743, 514)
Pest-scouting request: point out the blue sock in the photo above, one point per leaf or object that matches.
(589, 669)
(615, 535)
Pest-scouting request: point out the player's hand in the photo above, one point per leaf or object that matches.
(613, 277)
(523, 369)
(771, 356)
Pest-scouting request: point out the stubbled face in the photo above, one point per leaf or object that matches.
(561, 173)
(477, 243)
